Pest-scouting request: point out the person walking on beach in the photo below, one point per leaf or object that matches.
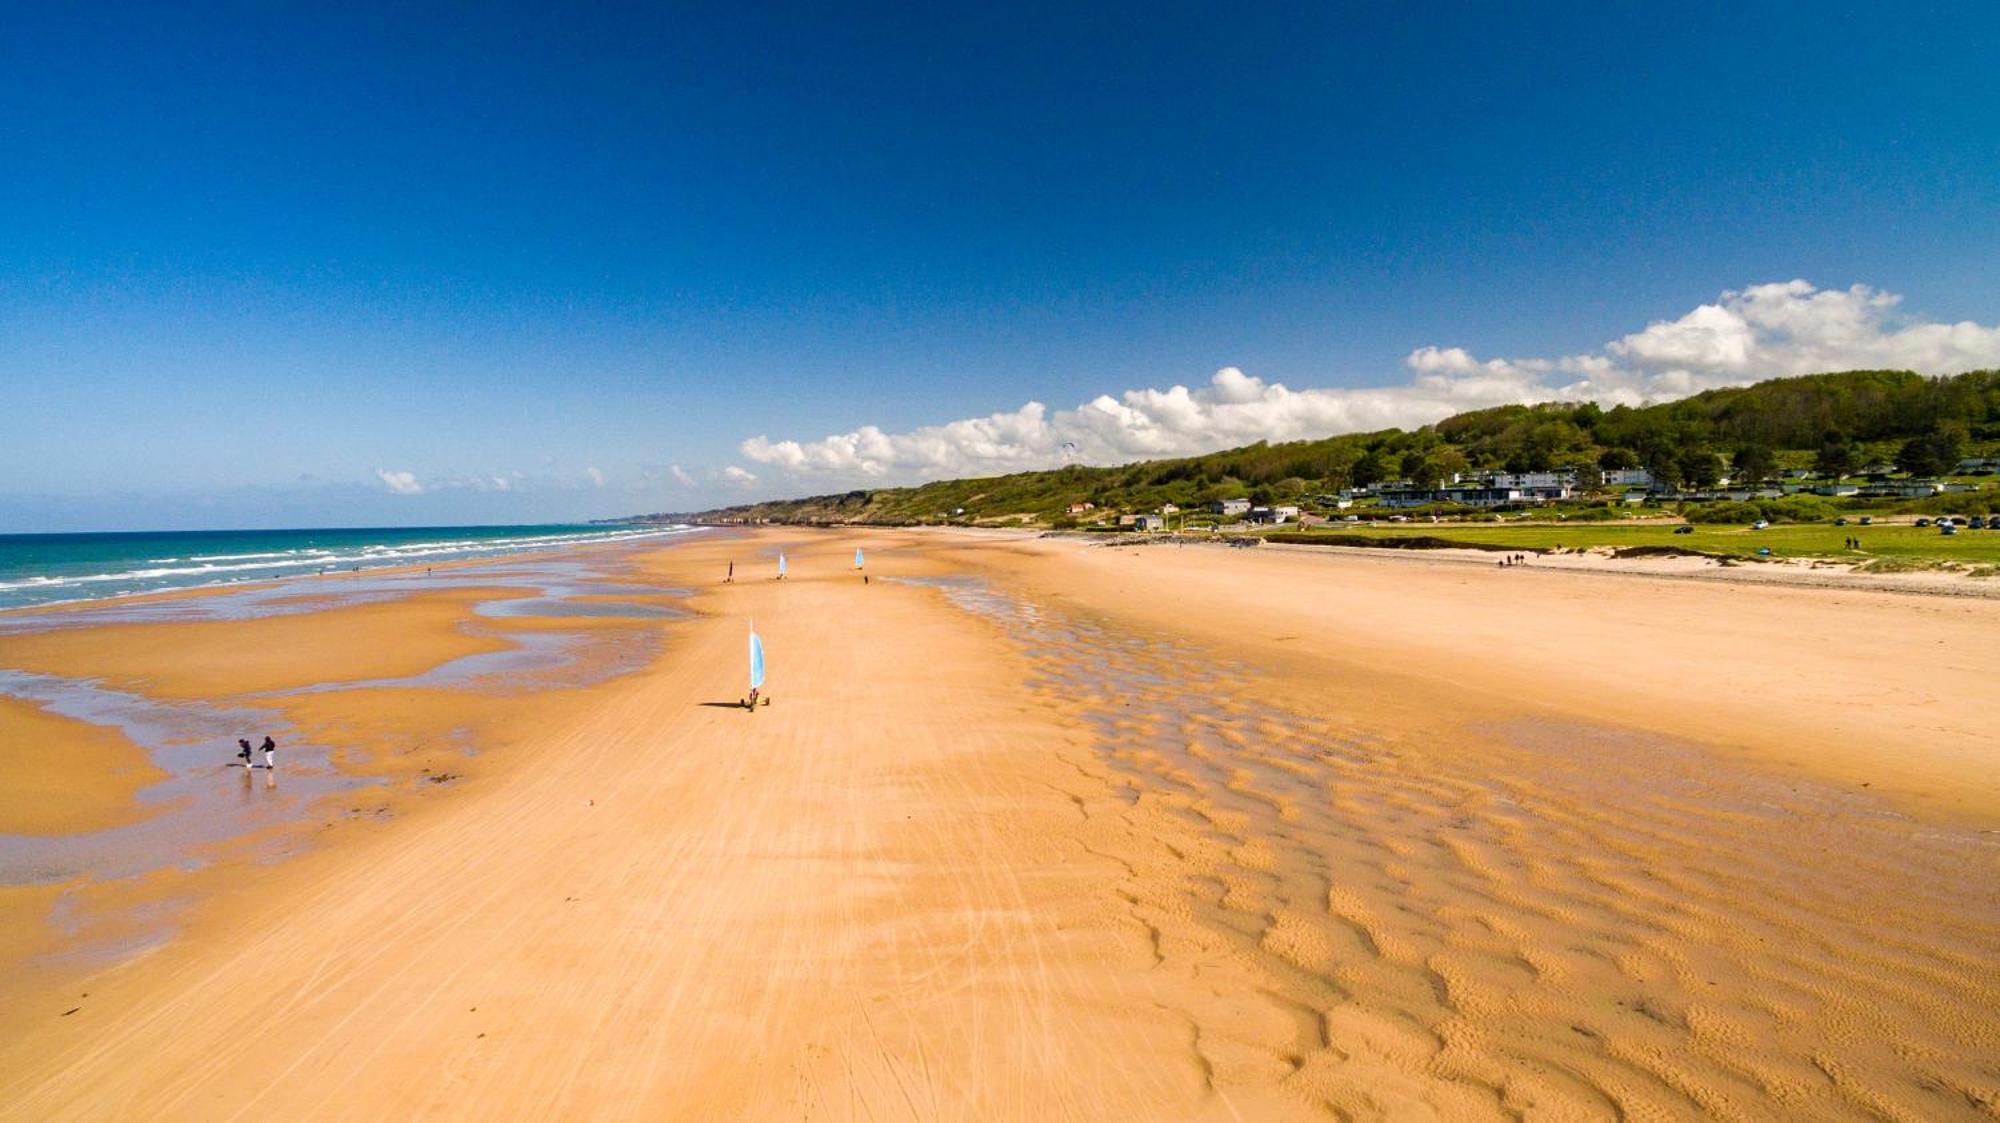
(270, 749)
(243, 751)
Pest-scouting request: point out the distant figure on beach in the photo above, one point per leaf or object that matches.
(270, 749)
(243, 750)
(731, 579)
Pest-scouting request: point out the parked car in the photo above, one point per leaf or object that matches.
(1867, 520)
(1923, 522)
(1684, 528)
(1947, 529)
(1977, 522)
(1842, 521)
(1761, 524)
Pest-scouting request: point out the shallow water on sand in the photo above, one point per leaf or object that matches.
(1550, 917)
(206, 797)
(207, 800)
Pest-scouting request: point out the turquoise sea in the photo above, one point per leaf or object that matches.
(39, 569)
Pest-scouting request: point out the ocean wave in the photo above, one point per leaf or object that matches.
(276, 563)
(300, 551)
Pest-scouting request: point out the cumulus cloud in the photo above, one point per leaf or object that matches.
(739, 476)
(399, 483)
(1762, 331)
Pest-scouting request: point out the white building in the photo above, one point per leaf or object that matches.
(1485, 496)
(1532, 480)
(1628, 477)
(1274, 514)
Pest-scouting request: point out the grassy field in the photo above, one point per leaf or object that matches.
(1893, 545)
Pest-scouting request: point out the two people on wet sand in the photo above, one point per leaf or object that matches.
(269, 748)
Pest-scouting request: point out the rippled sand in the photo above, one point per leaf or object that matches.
(1548, 918)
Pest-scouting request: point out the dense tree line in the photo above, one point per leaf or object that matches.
(1830, 421)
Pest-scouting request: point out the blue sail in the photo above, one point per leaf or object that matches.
(781, 565)
(857, 557)
(756, 662)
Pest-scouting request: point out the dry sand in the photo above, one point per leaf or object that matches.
(1095, 834)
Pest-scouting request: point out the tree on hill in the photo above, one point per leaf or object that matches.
(1368, 470)
(1700, 467)
(1836, 456)
(1932, 454)
(1754, 462)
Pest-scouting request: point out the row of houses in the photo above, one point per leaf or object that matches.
(1473, 495)
(1244, 509)
(1508, 489)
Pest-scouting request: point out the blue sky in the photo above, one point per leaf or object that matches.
(383, 266)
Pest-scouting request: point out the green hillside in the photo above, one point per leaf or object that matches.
(1834, 424)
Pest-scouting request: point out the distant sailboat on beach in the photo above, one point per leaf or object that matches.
(756, 671)
(781, 567)
(857, 557)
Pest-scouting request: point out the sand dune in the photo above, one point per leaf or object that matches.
(1049, 833)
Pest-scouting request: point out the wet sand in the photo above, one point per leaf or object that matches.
(46, 752)
(1034, 830)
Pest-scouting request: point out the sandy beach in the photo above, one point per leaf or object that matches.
(1032, 829)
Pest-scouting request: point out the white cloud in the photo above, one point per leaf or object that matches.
(680, 475)
(399, 483)
(1762, 331)
(1793, 328)
(738, 476)
(596, 477)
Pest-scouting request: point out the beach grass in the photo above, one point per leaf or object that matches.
(1902, 542)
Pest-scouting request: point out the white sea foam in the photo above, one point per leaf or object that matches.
(218, 568)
